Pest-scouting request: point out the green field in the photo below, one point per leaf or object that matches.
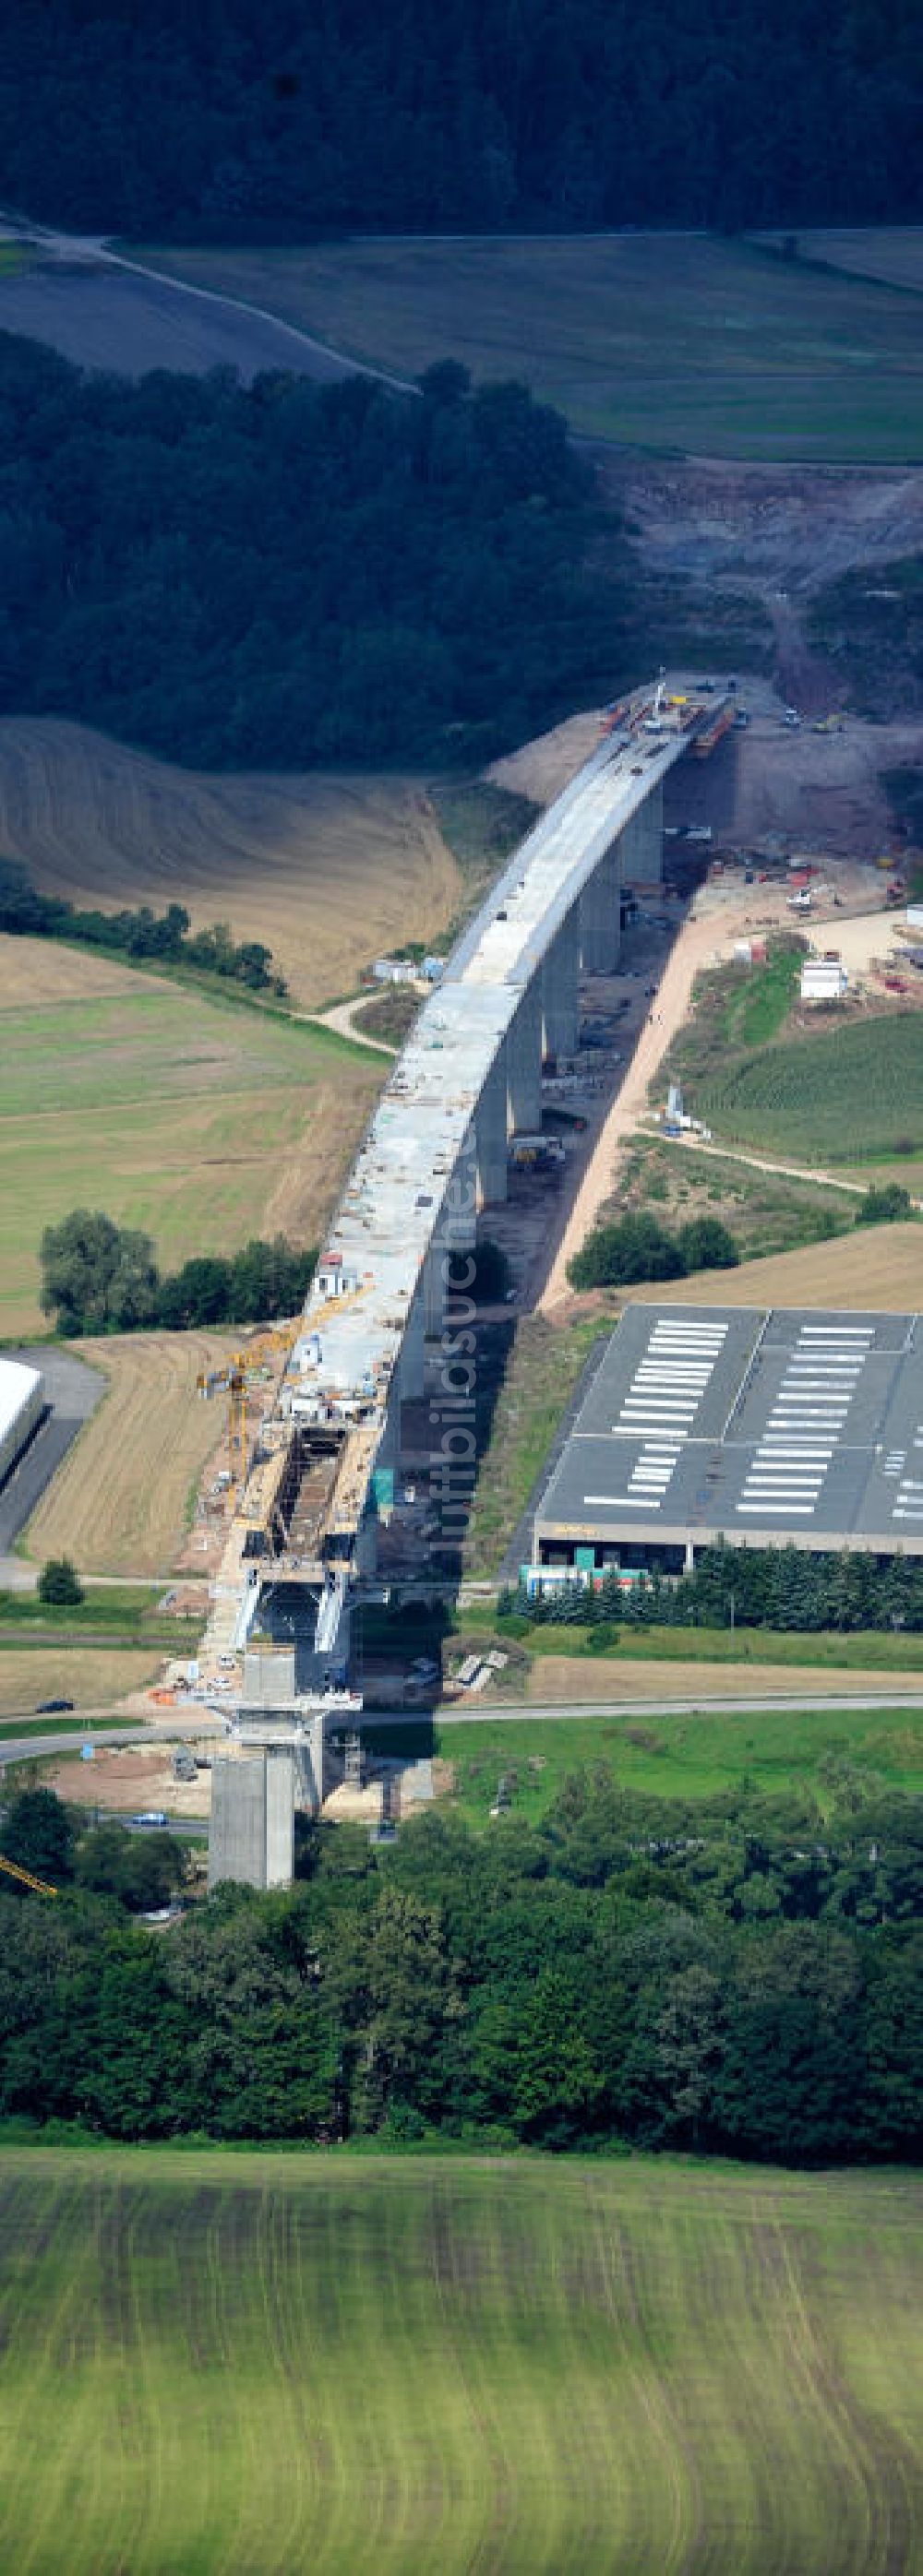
(698, 1756)
(201, 1122)
(850, 1094)
(665, 340)
(254, 2364)
(892, 253)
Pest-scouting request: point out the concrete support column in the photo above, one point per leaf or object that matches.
(524, 1065)
(600, 916)
(560, 1002)
(490, 1134)
(411, 1364)
(642, 841)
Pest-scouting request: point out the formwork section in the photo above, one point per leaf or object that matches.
(762, 1427)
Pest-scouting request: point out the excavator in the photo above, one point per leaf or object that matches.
(41, 1885)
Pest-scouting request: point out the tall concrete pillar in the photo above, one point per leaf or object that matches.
(490, 1134)
(642, 841)
(600, 916)
(411, 1364)
(280, 1817)
(524, 1065)
(251, 1836)
(560, 1000)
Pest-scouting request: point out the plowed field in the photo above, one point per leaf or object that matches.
(278, 2363)
(328, 872)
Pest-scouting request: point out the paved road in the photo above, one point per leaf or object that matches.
(481, 1713)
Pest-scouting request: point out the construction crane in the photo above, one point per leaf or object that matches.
(232, 1382)
(41, 1885)
(232, 1379)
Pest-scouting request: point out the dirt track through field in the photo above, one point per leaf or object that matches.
(326, 871)
(694, 949)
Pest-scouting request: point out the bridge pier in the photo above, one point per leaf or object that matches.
(560, 998)
(490, 1134)
(642, 841)
(601, 916)
(524, 1065)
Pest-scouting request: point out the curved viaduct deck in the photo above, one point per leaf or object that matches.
(436, 1148)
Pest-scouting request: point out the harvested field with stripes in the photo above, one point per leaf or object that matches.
(878, 1268)
(256, 2364)
(118, 1504)
(326, 871)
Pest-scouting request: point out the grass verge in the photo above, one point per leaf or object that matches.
(695, 1756)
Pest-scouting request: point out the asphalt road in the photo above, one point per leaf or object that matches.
(481, 1713)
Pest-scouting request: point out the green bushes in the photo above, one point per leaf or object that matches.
(885, 1206)
(637, 1247)
(59, 1584)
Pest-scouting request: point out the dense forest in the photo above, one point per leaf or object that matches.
(740, 1975)
(244, 118)
(288, 574)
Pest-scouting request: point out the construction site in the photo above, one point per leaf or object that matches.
(348, 1462)
(492, 1097)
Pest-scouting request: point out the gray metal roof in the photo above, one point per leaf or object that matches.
(754, 1425)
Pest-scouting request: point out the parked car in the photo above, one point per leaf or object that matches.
(45, 1707)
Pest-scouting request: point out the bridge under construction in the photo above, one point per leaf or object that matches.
(391, 1284)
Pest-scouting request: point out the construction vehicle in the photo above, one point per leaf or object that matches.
(40, 1886)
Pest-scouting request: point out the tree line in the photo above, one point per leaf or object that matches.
(263, 120)
(163, 938)
(626, 1249)
(288, 573)
(736, 1975)
(99, 1277)
(744, 1587)
(636, 1247)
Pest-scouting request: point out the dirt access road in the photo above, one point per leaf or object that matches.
(775, 533)
(99, 308)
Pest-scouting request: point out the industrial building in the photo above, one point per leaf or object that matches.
(22, 1404)
(762, 1428)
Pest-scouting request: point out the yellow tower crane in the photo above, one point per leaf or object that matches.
(40, 1885)
(232, 1382)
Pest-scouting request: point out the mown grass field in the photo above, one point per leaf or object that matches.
(201, 1122)
(94, 1677)
(667, 340)
(263, 2364)
(326, 871)
(695, 1756)
(894, 253)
